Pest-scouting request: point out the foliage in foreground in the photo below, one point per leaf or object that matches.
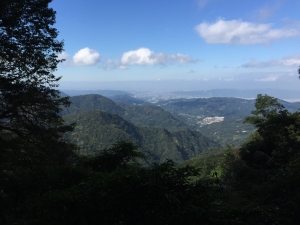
(264, 173)
(31, 130)
(110, 188)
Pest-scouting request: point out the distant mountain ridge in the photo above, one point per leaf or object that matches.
(129, 100)
(106, 93)
(140, 115)
(215, 106)
(92, 102)
(248, 94)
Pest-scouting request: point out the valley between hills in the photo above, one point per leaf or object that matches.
(177, 129)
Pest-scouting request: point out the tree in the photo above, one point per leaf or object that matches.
(264, 173)
(277, 135)
(30, 125)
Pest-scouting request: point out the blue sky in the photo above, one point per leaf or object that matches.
(203, 44)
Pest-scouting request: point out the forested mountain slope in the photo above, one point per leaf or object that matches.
(83, 103)
(139, 115)
(152, 116)
(97, 130)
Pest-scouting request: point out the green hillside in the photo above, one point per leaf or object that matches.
(97, 130)
(153, 116)
(139, 115)
(92, 102)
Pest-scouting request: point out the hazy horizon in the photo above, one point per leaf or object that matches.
(174, 85)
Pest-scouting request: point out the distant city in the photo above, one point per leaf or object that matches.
(156, 96)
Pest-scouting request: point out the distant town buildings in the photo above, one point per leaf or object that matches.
(210, 120)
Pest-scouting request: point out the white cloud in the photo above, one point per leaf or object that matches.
(141, 56)
(146, 57)
(293, 60)
(86, 57)
(244, 33)
(62, 55)
(268, 79)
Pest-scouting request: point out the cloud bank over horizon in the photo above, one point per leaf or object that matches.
(293, 60)
(242, 33)
(268, 79)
